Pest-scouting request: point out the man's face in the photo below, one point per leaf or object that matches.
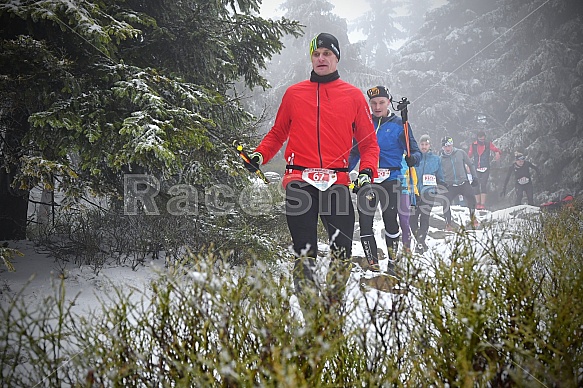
(482, 139)
(447, 149)
(424, 146)
(324, 61)
(520, 162)
(379, 106)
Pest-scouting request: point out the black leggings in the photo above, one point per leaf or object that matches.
(483, 182)
(387, 195)
(524, 189)
(464, 189)
(420, 218)
(304, 203)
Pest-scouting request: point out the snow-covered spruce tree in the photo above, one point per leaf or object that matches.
(510, 68)
(92, 89)
(381, 26)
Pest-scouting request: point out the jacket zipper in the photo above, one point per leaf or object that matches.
(453, 168)
(318, 124)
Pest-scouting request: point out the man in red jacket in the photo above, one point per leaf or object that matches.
(480, 152)
(319, 118)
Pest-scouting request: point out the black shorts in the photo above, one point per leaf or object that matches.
(483, 182)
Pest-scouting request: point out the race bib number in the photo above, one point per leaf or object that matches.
(429, 180)
(320, 178)
(383, 175)
(524, 180)
(481, 169)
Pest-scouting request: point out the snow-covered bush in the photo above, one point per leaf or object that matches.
(503, 311)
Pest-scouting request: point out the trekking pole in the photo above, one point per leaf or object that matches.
(402, 107)
(247, 160)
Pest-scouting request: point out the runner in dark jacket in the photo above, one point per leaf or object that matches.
(454, 163)
(522, 179)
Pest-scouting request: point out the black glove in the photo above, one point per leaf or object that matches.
(364, 177)
(410, 160)
(503, 192)
(474, 182)
(255, 160)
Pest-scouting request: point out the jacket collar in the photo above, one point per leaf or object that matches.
(383, 119)
(453, 151)
(322, 79)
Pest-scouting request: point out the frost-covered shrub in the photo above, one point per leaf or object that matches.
(96, 236)
(502, 311)
(506, 310)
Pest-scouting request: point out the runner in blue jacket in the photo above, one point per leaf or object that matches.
(429, 176)
(391, 139)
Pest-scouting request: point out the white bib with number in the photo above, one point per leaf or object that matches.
(481, 169)
(383, 175)
(320, 178)
(429, 180)
(524, 180)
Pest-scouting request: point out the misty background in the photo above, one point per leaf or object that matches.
(511, 68)
(91, 93)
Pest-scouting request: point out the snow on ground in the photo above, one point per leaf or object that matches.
(498, 225)
(37, 274)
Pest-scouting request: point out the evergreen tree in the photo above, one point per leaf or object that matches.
(512, 68)
(381, 26)
(91, 89)
(415, 15)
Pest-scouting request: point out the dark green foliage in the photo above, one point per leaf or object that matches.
(110, 87)
(98, 237)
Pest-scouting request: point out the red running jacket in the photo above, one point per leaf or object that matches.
(320, 120)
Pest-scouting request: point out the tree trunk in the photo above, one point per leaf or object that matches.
(44, 210)
(13, 201)
(13, 209)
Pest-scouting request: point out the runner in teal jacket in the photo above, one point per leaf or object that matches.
(429, 177)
